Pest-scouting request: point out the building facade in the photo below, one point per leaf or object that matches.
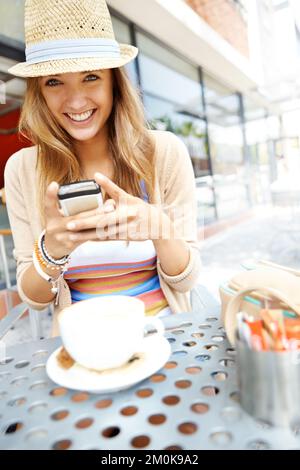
(197, 79)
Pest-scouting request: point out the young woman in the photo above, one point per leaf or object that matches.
(86, 121)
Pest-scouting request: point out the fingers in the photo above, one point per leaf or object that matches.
(97, 221)
(112, 232)
(108, 217)
(114, 191)
(51, 200)
(86, 235)
(109, 205)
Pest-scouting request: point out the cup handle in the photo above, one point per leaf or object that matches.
(156, 323)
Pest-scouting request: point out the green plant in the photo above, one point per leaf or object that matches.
(186, 129)
(154, 123)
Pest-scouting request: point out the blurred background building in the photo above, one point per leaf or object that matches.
(221, 74)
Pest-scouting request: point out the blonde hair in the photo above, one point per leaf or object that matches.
(130, 142)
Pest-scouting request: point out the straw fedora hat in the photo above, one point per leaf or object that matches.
(70, 36)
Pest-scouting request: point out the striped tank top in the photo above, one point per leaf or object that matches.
(99, 268)
(110, 267)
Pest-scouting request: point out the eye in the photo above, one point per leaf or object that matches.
(52, 82)
(92, 78)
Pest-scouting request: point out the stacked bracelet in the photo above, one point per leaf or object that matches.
(47, 258)
(42, 259)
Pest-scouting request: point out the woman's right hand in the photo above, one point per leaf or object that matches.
(57, 237)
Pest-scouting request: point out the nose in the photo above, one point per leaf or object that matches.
(75, 101)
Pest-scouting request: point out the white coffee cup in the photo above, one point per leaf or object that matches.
(105, 332)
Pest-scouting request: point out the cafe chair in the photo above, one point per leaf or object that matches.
(12, 312)
(5, 231)
(11, 318)
(203, 303)
(34, 318)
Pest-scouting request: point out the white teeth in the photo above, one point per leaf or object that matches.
(80, 117)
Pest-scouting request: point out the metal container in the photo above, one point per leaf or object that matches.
(269, 384)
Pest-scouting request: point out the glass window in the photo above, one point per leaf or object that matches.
(163, 115)
(172, 98)
(260, 130)
(273, 127)
(205, 200)
(122, 35)
(12, 19)
(253, 110)
(173, 102)
(167, 76)
(226, 147)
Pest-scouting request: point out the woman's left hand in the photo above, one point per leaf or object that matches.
(123, 217)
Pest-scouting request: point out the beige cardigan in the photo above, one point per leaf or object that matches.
(175, 186)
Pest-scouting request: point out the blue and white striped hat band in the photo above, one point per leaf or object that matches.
(72, 49)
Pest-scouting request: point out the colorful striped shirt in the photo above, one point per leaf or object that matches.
(110, 267)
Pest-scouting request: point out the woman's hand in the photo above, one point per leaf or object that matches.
(58, 240)
(122, 217)
(132, 219)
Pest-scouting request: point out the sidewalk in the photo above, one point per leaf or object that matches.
(272, 234)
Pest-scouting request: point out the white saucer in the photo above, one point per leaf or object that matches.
(154, 354)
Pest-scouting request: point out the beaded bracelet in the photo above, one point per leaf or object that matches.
(48, 258)
(41, 259)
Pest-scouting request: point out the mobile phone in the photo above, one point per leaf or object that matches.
(79, 196)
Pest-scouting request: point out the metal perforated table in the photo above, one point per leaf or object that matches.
(191, 403)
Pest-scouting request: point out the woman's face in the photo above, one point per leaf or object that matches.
(81, 102)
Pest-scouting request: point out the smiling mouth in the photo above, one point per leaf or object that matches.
(81, 118)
